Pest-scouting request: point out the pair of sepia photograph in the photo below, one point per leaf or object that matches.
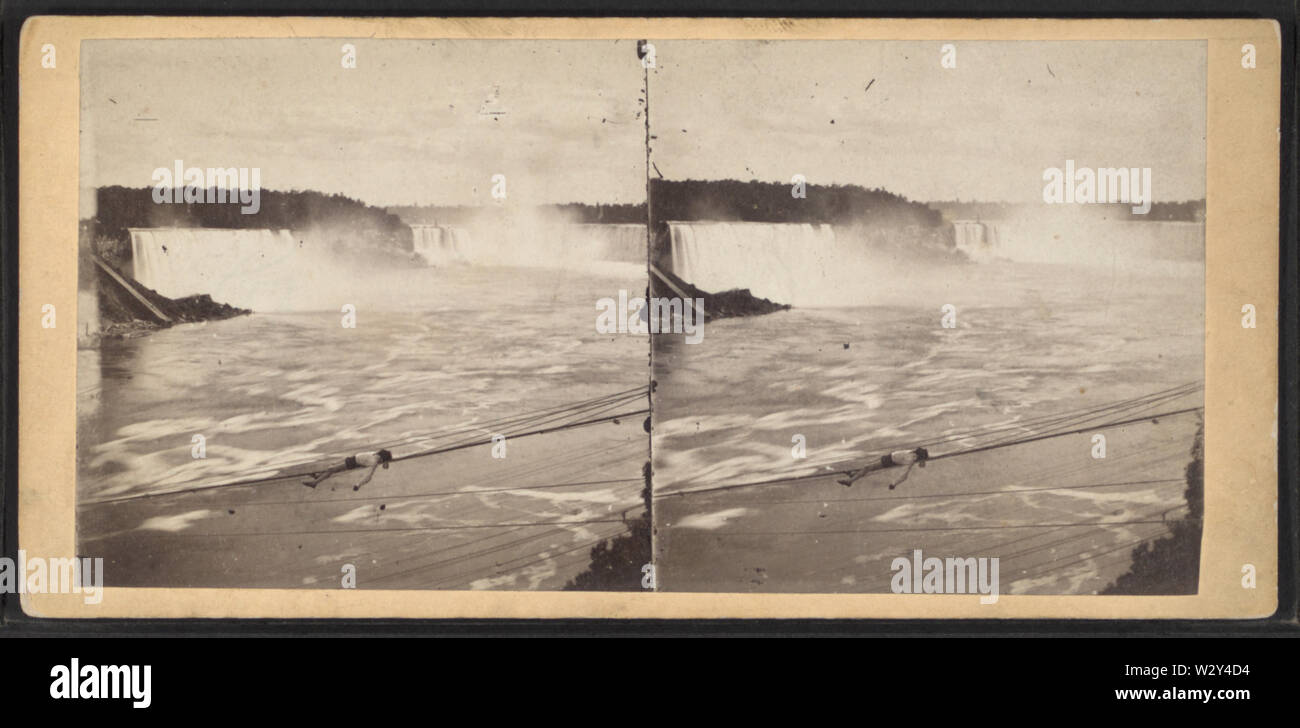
(710, 316)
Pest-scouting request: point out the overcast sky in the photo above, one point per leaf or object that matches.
(984, 130)
(405, 127)
(402, 127)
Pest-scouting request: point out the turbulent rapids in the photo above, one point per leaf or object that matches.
(456, 360)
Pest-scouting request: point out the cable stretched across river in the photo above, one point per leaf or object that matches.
(1061, 425)
(595, 411)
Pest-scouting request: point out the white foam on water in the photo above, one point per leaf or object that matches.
(175, 523)
(711, 521)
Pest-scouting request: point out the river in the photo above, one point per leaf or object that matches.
(851, 382)
(434, 351)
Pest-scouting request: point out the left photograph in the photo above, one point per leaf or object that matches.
(339, 314)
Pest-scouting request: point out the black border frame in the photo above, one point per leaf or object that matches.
(1284, 622)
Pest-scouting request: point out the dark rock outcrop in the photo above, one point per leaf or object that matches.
(123, 315)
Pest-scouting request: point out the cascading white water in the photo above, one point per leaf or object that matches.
(247, 268)
(785, 262)
(441, 244)
(1079, 241)
(279, 270)
(512, 243)
(971, 238)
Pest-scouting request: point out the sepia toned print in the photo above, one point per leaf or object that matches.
(341, 332)
(932, 385)
(604, 318)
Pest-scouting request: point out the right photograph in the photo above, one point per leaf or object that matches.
(953, 299)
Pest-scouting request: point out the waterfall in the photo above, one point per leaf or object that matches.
(785, 262)
(972, 238)
(440, 244)
(247, 267)
(590, 247)
(1078, 241)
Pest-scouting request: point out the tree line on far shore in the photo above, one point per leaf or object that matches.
(1185, 211)
(120, 208)
(365, 227)
(577, 213)
(753, 201)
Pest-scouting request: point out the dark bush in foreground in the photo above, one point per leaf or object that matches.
(616, 563)
(1172, 565)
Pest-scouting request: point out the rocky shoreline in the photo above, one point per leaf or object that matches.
(123, 315)
(733, 303)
